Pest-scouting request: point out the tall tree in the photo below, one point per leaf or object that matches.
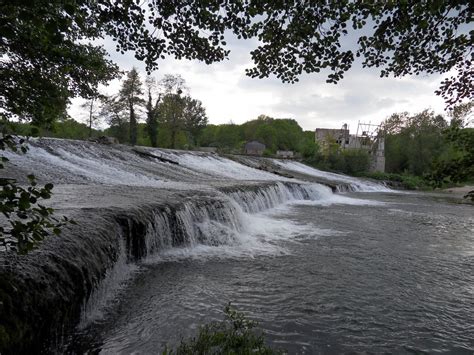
(172, 105)
(92, 107)
(152, 106)
(413, 141)
(194, 116)
(113, 111)
(171, 114)
(131, 93)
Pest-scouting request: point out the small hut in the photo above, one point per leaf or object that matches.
(254, 148)
(285, 154)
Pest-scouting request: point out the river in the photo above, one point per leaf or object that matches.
(326, 263)
(371, 273)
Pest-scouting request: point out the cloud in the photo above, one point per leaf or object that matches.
(229, 95)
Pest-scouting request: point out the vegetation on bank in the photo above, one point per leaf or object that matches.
(403, 181)
(234, 335)
(422, 151)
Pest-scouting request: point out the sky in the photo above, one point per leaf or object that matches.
(230, 96)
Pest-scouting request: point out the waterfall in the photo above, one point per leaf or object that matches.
(224, 220)
(134, 207)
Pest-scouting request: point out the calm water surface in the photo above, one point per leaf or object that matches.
(396, 277)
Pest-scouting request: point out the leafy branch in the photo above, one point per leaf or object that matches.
(28, 221)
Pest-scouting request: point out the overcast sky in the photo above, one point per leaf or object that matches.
(230, 96)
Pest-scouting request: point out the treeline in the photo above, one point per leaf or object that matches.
(178, 122)
(158, 113)
(423, 143)
(276, 134)
(435, 149)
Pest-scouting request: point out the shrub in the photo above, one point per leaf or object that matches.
(234, 335)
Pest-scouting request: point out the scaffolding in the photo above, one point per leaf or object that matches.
(368, 134)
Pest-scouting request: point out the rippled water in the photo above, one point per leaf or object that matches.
(394, 276)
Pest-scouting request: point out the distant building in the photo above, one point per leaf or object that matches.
(340, 136)
(254, 148)
(367, 138)
(285, 154)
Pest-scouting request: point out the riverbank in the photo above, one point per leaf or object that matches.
(461, 192)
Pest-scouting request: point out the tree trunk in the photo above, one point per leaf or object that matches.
(152, 127)
(173, 137)
(90, 117)
(133, 126)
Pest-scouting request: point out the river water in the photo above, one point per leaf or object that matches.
(363, 273)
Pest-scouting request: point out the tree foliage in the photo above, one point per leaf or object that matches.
(177, 113)
(458, 164)
(401, 38)
(412, 142)
(194, 117)
(29, 222)
(131, 93)
(152, 111)
(45, 60)
(276, 134)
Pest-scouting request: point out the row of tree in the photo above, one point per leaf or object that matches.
(163, 105)
(430, 146)
(276, 134)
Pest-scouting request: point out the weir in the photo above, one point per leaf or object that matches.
(129, 208)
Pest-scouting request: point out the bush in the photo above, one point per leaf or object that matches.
(406, 181)
(234, 335)
(355, 161)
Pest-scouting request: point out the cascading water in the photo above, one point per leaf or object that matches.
(63, 161)
(159, 203)
(353, 184)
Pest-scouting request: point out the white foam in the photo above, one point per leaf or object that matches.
(357, 184)
(215, 165)
(262, 235)
(341, 200)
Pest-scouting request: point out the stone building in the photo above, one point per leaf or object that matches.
(325, 135)
(369, 140)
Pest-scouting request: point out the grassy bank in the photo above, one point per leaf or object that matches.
(404, 181)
